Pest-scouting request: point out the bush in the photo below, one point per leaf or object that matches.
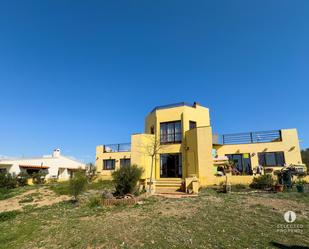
(39, 177)
(8, 181)
(126, 178)
(4, 216)
(91, 172)
(262, 182)
(94, 202)
(77, 184)
(22, 179)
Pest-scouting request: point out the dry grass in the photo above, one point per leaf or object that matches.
(212, 220)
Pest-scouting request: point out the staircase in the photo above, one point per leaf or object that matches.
(168, 185)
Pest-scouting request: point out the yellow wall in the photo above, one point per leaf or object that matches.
(289, 145)
(141, 150)
(199, 114)
(195, 147)
(100, 156)
(185, 114)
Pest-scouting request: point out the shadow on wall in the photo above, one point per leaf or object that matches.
(283, 246)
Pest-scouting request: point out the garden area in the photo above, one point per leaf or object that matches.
(73, 215)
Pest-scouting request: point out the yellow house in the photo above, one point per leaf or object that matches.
(178, 147)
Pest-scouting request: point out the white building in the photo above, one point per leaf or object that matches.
(55, 166)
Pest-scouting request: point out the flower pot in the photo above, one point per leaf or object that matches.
(278, 188)
(300, 188)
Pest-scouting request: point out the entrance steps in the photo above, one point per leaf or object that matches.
(168, 185)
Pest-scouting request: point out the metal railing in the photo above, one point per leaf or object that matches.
(123, 147)
(251, 137)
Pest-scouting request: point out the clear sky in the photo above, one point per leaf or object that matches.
(76, 74)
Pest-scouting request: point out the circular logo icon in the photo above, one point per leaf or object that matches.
(290, 216)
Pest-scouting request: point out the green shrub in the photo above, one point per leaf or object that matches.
(22, 179)
(78, 184)
(91, 172)
(4, 216)
(39, 177)
(262, 182)
(126, 178)
(94, 202)
(8, 180)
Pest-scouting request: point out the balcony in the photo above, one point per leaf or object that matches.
(123, 147)
(249, 137)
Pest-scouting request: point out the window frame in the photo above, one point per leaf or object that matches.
(276, 154)
(125, 159)
(174, 134)
(178, 168)
(242, 161)
(113, 164)
(191, 122)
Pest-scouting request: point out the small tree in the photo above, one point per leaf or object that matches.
(77, 184)
(22, 179)
(8, 180)
(152, 149)
(126, 178)
(90, 171)
(39, 177)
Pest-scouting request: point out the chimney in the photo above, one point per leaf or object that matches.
(196, 104)
(56, 153)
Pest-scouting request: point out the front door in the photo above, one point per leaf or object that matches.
(170, 165)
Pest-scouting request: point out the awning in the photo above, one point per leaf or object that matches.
(34, 166)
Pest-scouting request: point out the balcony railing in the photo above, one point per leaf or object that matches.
(123, 147)
(250, 137)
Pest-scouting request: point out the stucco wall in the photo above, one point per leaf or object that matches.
(289, 145)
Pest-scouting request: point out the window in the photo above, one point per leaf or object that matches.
(192, 125)
(170, 132)
(109, 164)
(271, 158)
(125, 162)
(152, 130)
(170, 165)
(242, 163)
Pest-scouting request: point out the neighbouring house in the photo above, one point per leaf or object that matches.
(187, 150)
(56, 166)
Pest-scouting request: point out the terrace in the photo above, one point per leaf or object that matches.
(248, 137)
(122, 147)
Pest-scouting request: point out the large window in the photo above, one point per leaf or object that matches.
(125, 162)
(109, 164)
(242, 163)
(271, 158)
(170, 132)
(170, 165)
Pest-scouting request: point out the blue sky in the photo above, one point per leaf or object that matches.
(75, 74)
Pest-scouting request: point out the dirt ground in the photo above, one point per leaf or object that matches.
(38, 197)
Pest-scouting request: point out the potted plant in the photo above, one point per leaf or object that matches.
(300, 185)
(278, 187)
